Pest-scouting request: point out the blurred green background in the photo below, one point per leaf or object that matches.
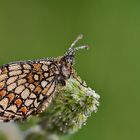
(35, 29)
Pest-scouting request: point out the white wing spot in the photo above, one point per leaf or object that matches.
(25, 93)
(45, 67)
(11, 87)
(44, 83)
(2, 84)
(28, 102)
(36, 77)
(51, 89)
(11, 80)
(41, 97)
(12, 108)
(46, 74)
(26, 71)
(32, 87)
(32, 95)
(26, 66)
(36, 103)
(4, 103)
(21, 81)
(3, 77)
(14, 67)
(19, 89)
(22, 76)
(14, 73)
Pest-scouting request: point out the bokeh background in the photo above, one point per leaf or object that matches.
(36, 29)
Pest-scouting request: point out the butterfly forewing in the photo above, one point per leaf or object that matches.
(25, 88)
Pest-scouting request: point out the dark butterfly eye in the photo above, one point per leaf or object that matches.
(70, 58)
(61, 81)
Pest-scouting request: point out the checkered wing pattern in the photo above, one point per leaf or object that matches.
(26, 88)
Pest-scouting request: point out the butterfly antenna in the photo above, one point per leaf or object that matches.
(81, 47)
(79, 37)
(72, 50)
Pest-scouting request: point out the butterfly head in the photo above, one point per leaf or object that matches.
(68, 59)
(70, 54)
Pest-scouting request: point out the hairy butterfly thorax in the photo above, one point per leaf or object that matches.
(28, 87)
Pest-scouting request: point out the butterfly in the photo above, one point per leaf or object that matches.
(28, 87)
